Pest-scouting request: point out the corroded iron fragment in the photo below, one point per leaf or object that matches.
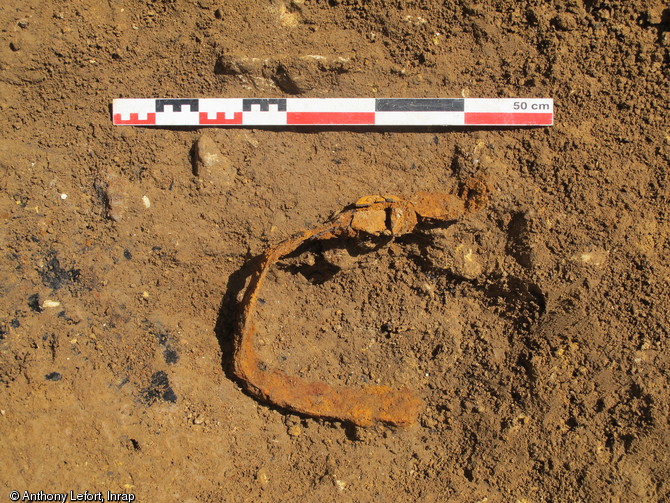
(364, 406)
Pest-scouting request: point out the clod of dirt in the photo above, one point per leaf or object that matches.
(115, 193)
(340, 258)
(564, 22)
(120, 196)
(464, 249)
(294, 430)
(210, 165)
(456, 252)
(290, 81)
(288, 16)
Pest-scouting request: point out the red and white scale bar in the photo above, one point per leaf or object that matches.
(334, 112)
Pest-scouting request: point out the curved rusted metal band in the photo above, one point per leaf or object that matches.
(361, 406)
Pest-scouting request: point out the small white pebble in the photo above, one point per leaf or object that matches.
(147, 203)
(262, 477)
(50, 303)
(63, 196)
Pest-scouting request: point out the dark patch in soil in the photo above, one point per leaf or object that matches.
(158, 389)
(54, 276)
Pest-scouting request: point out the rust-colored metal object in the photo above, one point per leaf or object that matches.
(376, 215)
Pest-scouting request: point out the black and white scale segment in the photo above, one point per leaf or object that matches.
(334, 112)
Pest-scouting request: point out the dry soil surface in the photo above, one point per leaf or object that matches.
(536, 331)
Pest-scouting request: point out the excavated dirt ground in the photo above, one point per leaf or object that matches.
(536, 330)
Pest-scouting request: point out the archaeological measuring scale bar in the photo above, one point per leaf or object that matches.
(334, 112)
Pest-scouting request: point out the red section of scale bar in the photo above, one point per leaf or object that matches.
(220, 119)
(512, 119)
(135, 119)
(335, 118)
